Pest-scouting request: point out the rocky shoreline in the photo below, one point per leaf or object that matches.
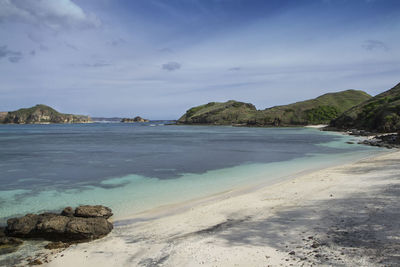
(82, 224)
(385, 140)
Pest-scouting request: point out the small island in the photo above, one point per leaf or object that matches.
(40, 114)
(136, 119)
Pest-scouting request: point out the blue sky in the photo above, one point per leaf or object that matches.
(157, 58)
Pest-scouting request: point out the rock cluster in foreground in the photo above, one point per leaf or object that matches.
(85, 223)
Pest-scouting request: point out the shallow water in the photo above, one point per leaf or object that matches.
(134, 167)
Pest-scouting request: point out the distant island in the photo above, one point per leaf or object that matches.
(320, 110)
(40, 114)
(136, 119)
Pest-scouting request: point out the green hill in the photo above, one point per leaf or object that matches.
(231, 112)
(320, 110)
(40, 114)
(380, 113)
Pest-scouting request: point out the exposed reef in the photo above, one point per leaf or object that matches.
(136, 119)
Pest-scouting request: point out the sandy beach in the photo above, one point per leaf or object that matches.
(340, 216)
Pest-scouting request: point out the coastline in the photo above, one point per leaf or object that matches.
(295, 221)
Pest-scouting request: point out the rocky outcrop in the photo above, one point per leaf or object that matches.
(85, 224)
(93, 211)
(136, 119)
(40, 114)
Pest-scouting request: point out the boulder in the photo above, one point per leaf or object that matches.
(68, 211)
(51, 226)
(23, 226)
(93, 211)
(87, 223)
(87, 228)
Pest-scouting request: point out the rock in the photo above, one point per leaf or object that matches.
(2, 231)
(68, 211)
(51, 226)
(136, 119)
(23, 226)
(292, 253)
(57, 245)
(93, 211)
(87, 228)
(315, 245)
(87, 223)
(36, 262)
(9, 244)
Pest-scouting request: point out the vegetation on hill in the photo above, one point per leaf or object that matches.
(41, 114)
(227, 113)
(320, 110)
(380, 113)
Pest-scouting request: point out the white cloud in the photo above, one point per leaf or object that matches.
(54, 14)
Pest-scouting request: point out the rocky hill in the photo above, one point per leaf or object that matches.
(379, 114)
(227, 113)
(320, 110)
(40, 114)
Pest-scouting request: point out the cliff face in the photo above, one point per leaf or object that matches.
(315, 111)
(379, 114)
(41, 114)
(3, 115)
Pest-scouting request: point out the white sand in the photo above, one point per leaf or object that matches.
(340, 216)
(316, 126)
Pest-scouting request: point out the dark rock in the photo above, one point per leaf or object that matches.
(57, 245)
(136, 119)
(93, 211)
(68, 211)
(87, 228)
(2, 231)
(90, 223)
(9, 244)
(292, 253)
(23, 226)
(51, 226)
(36, 262)
(315, 245)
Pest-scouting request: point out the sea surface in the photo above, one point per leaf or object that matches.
(135, 167)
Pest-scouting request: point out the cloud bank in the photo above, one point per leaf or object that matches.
(49, 13)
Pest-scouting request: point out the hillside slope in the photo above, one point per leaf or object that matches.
(320, 110)
(231, 112)
(41, 114)
(380, 113)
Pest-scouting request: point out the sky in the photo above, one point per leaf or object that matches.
(158, 58)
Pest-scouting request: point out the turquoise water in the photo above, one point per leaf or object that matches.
(134, 168)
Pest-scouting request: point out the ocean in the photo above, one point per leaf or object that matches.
(135, 167)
